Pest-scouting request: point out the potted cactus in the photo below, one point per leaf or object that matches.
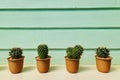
(103, 60)
(73, 57)
(16, 60)
(43, 59)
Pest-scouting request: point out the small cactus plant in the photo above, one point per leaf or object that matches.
(15, 53)
(69, 52)
(102, 52)
(42, 51)
(75, 52)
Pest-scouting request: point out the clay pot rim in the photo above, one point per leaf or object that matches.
(16, 59)
(108, 58)
(71, 59)
(37, 58)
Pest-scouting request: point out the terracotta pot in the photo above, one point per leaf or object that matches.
(72, 65)
(43, 64)
(15, 65)
(103, 64)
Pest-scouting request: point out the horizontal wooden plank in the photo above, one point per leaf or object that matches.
(60, 18)
(59, 38)
(57, 3)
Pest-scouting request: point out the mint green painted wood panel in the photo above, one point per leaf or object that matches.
(118, 2)
(59, 38)
(60, 19)
(91, 38)
(57, 3)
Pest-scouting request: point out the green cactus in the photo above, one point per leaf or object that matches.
(42, 51)
(77, 51)
(15, 53)
(102, 52)
(69, 52)
(74, 53)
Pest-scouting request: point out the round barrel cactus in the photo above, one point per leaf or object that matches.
(69, 52)
(15, 53)
(42, 51)
(102, 52)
